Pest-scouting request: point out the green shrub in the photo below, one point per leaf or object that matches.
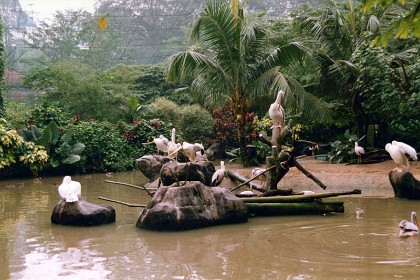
(196, 124)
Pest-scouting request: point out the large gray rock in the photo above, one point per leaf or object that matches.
(82, 213)
(404, 185)
(191, 206)
(151, 165)
(175, 172)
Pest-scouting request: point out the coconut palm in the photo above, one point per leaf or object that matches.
(231, 63)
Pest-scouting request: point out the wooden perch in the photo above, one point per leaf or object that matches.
(121, 202)
(245, 181)
(308, 174)
(297, 198)
(129, 185)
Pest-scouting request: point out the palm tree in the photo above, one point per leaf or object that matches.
(231, 63)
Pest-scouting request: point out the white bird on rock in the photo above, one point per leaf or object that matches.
(408, 150)
(359, 151)
(409, 228)
(190, 150)
(398, 156)
(173, 147)
(262, 178)
(218, 176)
(276, 111)
(70, 190)
(161, 143)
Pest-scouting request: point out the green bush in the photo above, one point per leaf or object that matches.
(196, 124)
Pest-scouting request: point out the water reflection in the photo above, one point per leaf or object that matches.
(362, 243)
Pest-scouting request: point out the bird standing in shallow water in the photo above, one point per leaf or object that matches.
(218, 176)
(409, 228)
(398, 156)
(276, 111)
(359, 151)
(70, 190)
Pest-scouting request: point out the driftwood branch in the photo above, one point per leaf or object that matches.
(121, 202)
(308, 174)
(129, 185)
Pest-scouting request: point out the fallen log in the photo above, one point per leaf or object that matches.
(297, 198)
(306, 208)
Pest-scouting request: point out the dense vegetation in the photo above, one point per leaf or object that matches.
(93, 117)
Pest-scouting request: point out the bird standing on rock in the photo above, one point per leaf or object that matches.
(408, 150)
(359, 151)
(173, 147)
(276, 111)
(398, 156)
(70, 190)
(218, 176)
(161, 143)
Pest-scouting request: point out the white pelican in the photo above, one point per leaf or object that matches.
(190, 150)
(161, 143)
(409, 228)
(173, 147)
(70, 190)
(398, 155)
(218, 176)
(408, 150)
(262, 178)
(276, 111)
(359, 151)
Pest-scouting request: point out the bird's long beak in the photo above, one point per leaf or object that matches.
(148, 143)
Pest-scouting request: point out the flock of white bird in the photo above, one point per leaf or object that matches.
(400, 153)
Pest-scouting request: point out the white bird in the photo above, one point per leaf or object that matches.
(308, 192)
(190, 150)
(408, 150)
(70, 190)
(161, 143)
(218, 176)
(398, 156)
(262, 178)
(409, 228)
(173, 147)
(246, 193)
(276, 111)
(359, 151)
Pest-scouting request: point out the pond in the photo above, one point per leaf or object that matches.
(339, 246)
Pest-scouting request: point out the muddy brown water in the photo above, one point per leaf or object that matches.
(338, 246)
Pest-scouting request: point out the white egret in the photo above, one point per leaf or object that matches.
(276, 111)
(70, 190)
(262, 178)
(409, 228)
(190, 150)
(359, 151)
(398, 156)
(218, 176)
(408, 150)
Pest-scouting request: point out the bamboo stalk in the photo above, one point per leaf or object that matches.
(121, 202)
(297, 198)
(129, 185)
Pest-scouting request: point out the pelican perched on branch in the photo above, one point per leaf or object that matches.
(218, 176)
(409, 228)
(408, 150)
(276, 111)
(70, 190)
(398, 156)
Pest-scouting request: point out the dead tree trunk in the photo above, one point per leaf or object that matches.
(281, 160)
